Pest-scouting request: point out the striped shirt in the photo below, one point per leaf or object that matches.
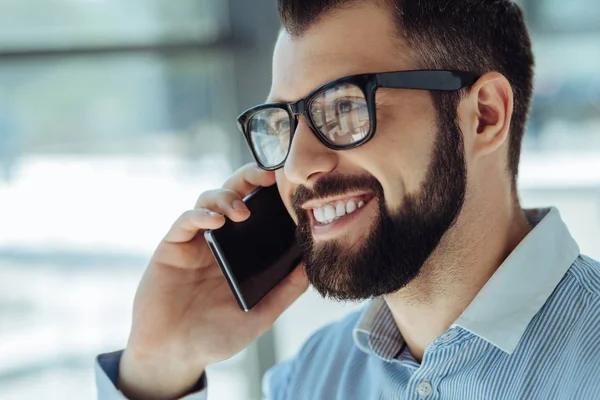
(532, 332)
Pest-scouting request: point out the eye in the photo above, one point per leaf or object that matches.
(282, 125)
(344, 106)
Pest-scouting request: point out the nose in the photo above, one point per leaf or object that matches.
(308, 158)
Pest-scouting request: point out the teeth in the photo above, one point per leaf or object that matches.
(331, 212)
(351, 206)
(319, 214)
(340, 210)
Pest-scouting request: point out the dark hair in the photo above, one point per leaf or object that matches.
(471, 35)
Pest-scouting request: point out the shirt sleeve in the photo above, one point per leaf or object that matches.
(107, 372)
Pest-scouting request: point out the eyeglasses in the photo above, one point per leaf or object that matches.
(340, 113)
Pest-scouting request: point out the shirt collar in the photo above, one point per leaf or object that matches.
(377, 332)
(502, 310)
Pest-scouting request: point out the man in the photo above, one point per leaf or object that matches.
(402, 180)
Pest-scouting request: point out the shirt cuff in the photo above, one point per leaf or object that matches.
(107, 373)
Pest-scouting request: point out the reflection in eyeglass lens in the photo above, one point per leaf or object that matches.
(270, 135)
(341, 114)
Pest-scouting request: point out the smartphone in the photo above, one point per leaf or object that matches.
(257, 254)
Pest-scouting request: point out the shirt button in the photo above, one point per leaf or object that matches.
(424, 389)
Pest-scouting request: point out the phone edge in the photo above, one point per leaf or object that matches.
(222, 262)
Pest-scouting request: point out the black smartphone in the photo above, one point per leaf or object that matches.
(256, 254)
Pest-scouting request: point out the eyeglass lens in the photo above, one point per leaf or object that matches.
(339, 113)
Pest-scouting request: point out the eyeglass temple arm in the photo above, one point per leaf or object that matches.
(426, 80)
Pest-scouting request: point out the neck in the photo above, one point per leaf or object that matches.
(466, 258)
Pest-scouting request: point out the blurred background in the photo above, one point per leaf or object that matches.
(115, 115)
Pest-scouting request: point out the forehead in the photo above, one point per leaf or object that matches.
(348, 41)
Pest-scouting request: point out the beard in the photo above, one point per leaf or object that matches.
(399, 243)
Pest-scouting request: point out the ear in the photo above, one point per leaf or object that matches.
(488, 112)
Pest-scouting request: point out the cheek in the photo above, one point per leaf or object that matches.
(286, 191)
(399, 155)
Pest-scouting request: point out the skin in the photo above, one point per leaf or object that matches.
(184, 316)
(491, 222)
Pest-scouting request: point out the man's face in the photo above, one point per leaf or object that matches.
(407, 185)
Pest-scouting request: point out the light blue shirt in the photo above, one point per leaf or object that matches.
(532, 332)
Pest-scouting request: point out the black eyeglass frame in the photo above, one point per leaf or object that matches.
(434, 80)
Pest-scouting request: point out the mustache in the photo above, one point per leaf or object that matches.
(335, 185)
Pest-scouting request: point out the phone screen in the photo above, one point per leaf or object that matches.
(256, 254)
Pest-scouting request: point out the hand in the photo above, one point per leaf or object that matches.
(184, 314)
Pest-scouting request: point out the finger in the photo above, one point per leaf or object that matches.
(225, 202)
(282, 296)
(247, 178)
(189, 255)
(190, 222)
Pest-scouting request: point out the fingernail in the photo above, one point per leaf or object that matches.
(238, 205)
(214, 214)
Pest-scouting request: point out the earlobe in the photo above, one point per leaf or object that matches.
(494, 98)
